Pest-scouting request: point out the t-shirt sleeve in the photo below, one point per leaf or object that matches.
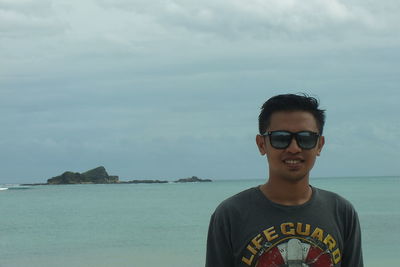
(219, 252)
(352, 253)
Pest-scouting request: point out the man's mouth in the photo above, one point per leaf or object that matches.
(293, 161)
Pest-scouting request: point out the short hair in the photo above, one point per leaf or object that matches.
(290, 102)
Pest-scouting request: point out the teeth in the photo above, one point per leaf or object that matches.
(292, 161)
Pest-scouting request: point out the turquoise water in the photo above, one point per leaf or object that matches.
(160, 224)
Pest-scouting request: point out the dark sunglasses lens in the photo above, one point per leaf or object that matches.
(280, 139)
(307, 140)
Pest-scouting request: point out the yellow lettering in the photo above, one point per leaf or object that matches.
(270, 234)
(287, 228)
(300, 231)
(257, 241)
(248, 261)
(318, 233)
(336, 256)
(330, 242)
(251, 249)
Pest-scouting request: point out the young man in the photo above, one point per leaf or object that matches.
(286, 222)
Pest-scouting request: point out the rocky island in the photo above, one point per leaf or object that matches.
(143, 182)
(192, 179)
(99, 175)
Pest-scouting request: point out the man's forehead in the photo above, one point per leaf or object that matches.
(301, 120)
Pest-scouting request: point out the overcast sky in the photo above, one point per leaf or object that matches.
(156, 89)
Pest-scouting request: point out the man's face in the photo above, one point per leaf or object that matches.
(292, 163)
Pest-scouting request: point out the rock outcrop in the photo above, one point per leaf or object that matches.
(192, 180)
(97, 175)
(144, 182)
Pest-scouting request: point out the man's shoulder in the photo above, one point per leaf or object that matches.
(238, 201)
(327, 196)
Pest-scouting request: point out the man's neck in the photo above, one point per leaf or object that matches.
(287, 193)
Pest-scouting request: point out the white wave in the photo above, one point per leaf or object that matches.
(13, 187)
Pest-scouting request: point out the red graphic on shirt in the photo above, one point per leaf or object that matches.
(295, 253)
(292, 244)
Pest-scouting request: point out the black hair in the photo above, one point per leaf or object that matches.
(290, 102)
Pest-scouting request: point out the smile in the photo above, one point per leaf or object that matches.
(292, 161)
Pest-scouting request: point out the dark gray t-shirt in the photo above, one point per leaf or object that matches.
(249, 230)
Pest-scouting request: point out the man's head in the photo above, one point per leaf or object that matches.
(290, 102)
(290, 135)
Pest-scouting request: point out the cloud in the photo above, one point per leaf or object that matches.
(254, 19)
(28, 7)
(144, 37)
(22, 19)
(139, 23)
(116, 81)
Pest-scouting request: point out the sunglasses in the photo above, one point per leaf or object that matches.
(282, 139)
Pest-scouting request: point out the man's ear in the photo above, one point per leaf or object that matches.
(260, 141)
(321, 143)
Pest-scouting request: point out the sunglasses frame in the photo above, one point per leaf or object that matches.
(295, 135)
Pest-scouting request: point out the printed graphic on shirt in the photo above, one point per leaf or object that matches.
(292, 245)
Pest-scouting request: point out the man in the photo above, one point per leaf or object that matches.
(286, 222)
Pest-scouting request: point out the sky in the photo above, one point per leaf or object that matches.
(172, 89)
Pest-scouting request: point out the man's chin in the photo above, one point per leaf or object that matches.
(295, 177)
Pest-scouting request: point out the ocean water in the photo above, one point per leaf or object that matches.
(149, 225)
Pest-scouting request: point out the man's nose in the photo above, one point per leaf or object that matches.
(293, 146)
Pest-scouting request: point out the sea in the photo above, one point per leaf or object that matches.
(151, 225)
